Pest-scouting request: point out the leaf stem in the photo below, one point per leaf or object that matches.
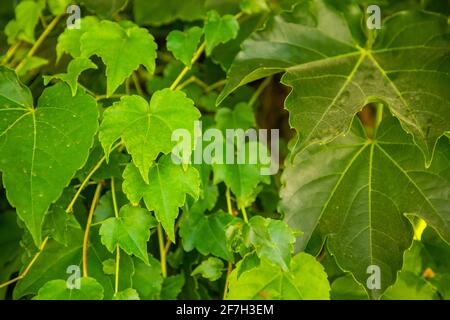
(39, 42)
(162, 251)
(113, 96)
(180, 77)
(227, 280)
(88, 177)
(11, 51)
(259, 91)
(137, 85)
(244, 214)
(28, 268)
(97, 193)
(116, 287)
(229, 206)
(116, 213)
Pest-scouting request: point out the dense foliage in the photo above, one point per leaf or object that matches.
(93, 205)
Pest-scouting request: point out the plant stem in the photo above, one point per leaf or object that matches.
(229, 206)
(162, 252)
(116, 287)
(98, 191)
(260, 90)
(88, 177)
(39, 42)
(27, 269)
(244, 214)
(137, 85)
(216, 85)
(116, 213)
(227, 280)
(113, 96)
(11, 51)
(180, 77)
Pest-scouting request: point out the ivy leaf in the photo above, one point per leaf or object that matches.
(272, 239)
(105, 9)
(57, 222)
(410, 286)
(253, 6)
(54, 261)
(356, 191)
(206, 233)
(122, 50)
(70, 40)
(147, 279)
(184, 44)
(346, 288)
(138, 123)
(306, 280)
(159, 12)
(27, 17)
(128, 294)
(41, 148)
(210, 269)
(243, 179)
(241, 117)
(131, 231)
(333, 78)
(89, 289)
(172, 287)
(167, 190)
(219, 30)
(58, 7)
(74, 69)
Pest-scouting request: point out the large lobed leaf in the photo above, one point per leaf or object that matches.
(146, 129)
(355, 192)
(41, 147)
(406, 66)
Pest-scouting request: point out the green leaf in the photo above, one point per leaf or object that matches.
(89, 289)
(243, 179)
(210, 269)
(356, 192)
(347, 288)
(137, 123)
(131, 231)
(159, 12)
(32, 63)
(167, 190)
(172, 287)
(184, 44)
(70, 40)
(128, 294)
(333, 78)
(74, 69)
(27, 17)
(241, 117)
(122, 50)
(58, 224)
(41, 148)
(206, 233)
(219, 30)
(253, 6)
(54, 261)
(272, 239)
(410, 287)
(147, 279)
(306, 280)
(105, 9)
(58, 7)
